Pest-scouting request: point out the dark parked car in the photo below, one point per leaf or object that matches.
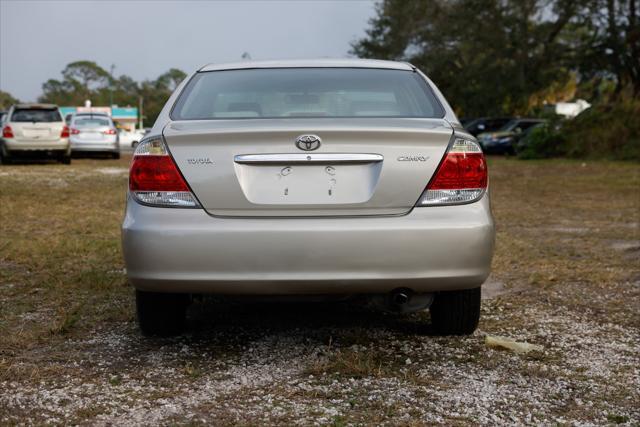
(485, 124)
(504, 140)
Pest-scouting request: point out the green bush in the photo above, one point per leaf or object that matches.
(542, 142)
(607, 131)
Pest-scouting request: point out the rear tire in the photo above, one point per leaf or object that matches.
(456, 312)
(116, 156)
(66, 159)
(161, 314)
(5, 159)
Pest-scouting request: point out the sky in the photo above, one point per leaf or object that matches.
(144, 38)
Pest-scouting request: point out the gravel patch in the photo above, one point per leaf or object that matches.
(272, 376)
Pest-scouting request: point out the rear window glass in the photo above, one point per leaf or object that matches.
(510, 126)
(91, 122)
(36, 115)
(306, 92)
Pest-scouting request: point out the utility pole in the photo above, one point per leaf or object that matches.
(113, 67)
(140, 111)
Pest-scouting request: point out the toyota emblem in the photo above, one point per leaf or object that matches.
(308, 142)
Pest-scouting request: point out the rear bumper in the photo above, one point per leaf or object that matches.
(187, 250)
(11, 144)
(101, 146)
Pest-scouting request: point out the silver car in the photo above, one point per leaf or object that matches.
(328, 178)
(95, 133)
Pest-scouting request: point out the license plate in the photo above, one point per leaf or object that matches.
(308, 184)
(35, 133)
(90, 135)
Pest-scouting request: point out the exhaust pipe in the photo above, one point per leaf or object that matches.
(403, 300)
(399, 298)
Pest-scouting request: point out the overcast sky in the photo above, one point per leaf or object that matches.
(145, 38)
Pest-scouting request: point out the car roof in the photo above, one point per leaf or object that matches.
(311, 63)
(36, 105)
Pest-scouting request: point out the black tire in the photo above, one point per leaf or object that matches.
(4, 156)
(116, 156)
(161, 314)
(66, 159)
(456, 312)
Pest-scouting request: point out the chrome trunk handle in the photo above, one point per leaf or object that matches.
(301, 158)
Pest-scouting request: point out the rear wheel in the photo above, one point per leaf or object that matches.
(65, 159)
(4, 156)
(161, 314)
(116, 155)
(456, 312)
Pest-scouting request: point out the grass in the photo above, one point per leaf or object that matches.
(567, 247)
(59, 251)
(351, 364)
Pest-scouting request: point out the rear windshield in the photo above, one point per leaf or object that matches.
(306, 92)
(92, 122)
(511, 125)
(36, 115)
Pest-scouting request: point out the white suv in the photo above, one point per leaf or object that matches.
(35, 129)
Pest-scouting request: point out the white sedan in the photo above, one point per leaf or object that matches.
(128, 140)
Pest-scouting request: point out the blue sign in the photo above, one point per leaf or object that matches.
(124, 113)
(117, 113)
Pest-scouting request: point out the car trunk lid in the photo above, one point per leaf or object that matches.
(37, 131)
(253, 167)
(36, 124)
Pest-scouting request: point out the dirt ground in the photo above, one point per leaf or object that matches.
(566, 276)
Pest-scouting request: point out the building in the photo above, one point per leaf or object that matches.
(123, 117)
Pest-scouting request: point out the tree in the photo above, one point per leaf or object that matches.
(6, 100)
(155, 93)
(84, 80)
(87, 77)
(609, 46)
(60, 92)
(125, 92)
(488, 56)
(171, 79)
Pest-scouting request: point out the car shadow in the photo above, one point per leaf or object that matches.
(247, 320)
(90, 155)
(29, 160)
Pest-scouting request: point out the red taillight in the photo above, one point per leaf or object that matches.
(154, 178)
(65, 132)
(155, 173)
(460, 178)
(109, 132)
(74, 131)
(460, 171)
(7, 132)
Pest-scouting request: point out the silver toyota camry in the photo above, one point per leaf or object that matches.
(330, 178)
